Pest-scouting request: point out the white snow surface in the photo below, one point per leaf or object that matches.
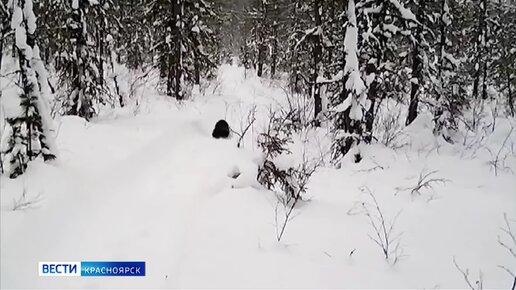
(155, 187)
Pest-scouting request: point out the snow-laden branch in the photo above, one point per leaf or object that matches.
(354, 84)
(405, 13)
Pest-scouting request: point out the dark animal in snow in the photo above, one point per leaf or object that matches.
(221, 130)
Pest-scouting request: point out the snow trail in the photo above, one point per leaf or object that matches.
(158, 189)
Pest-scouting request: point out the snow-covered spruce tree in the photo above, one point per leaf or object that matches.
(133, 38)
(201, 44)
(274, 142)
(445, 93)
(335, 32)
(5, 28)
(274, 174)
(112, 35)
(287, 179)
(480, 62)
(260, 33)
(348, 118)
(381, 26)
(174, 41)
(273, 41)
(170, 22)
(473, 24)
(182, 43)
(101, 14)
(256, 28)
(262, 20)
(29, 133)
(504, 54)
(296, 59)
(456, 64)
(313, 43)
(309, 50)
(52, 29)
(432, 62)
(83, 89)
(229, 38)
(419, 61)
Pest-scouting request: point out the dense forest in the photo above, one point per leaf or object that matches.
(346, 57)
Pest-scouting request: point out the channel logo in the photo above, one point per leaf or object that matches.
(59, 268)
(91, 268)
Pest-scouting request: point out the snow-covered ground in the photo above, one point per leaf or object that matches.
(155, 187)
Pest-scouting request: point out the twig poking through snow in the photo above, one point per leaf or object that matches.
(509, 232)
(425, 181)
(22, 203)
(465, 274)
(389, 130)
(498, 160)
(509, 246)
(384, 237)
(244, 127)
(368, 170)
(352, 252)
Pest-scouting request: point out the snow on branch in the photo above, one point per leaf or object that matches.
(405, 13)
(354, 83)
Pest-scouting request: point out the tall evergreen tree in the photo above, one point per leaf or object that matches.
(4, 28)
(352, 99)
(418, 56)
(183, 43)
(504, 53)
(133, 38)
(381, 26)
(446, 97)
(481, 51)
(29, 133)
(80, 70)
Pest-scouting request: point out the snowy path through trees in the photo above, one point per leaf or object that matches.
(146, 203)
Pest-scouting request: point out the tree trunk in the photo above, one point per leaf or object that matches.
(274, 54)
(442, 47)
(170, 72)
(372, 93)
(197, 69)
(317, 53)
(438, 111)
(177, 60)
(261, 54)
(261, 40)
(2, 36)
(480, 44)
(511, 99)
(196, 58)
(5, 29)
(485, 50)
(1, 52)
(78, 42)
(101, 55)
(417, 78)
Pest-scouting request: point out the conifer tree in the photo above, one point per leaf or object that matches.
(348, 119)
(80, 69)
(381, 26)
(184, 43)
(30, 132)
(445, 93)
